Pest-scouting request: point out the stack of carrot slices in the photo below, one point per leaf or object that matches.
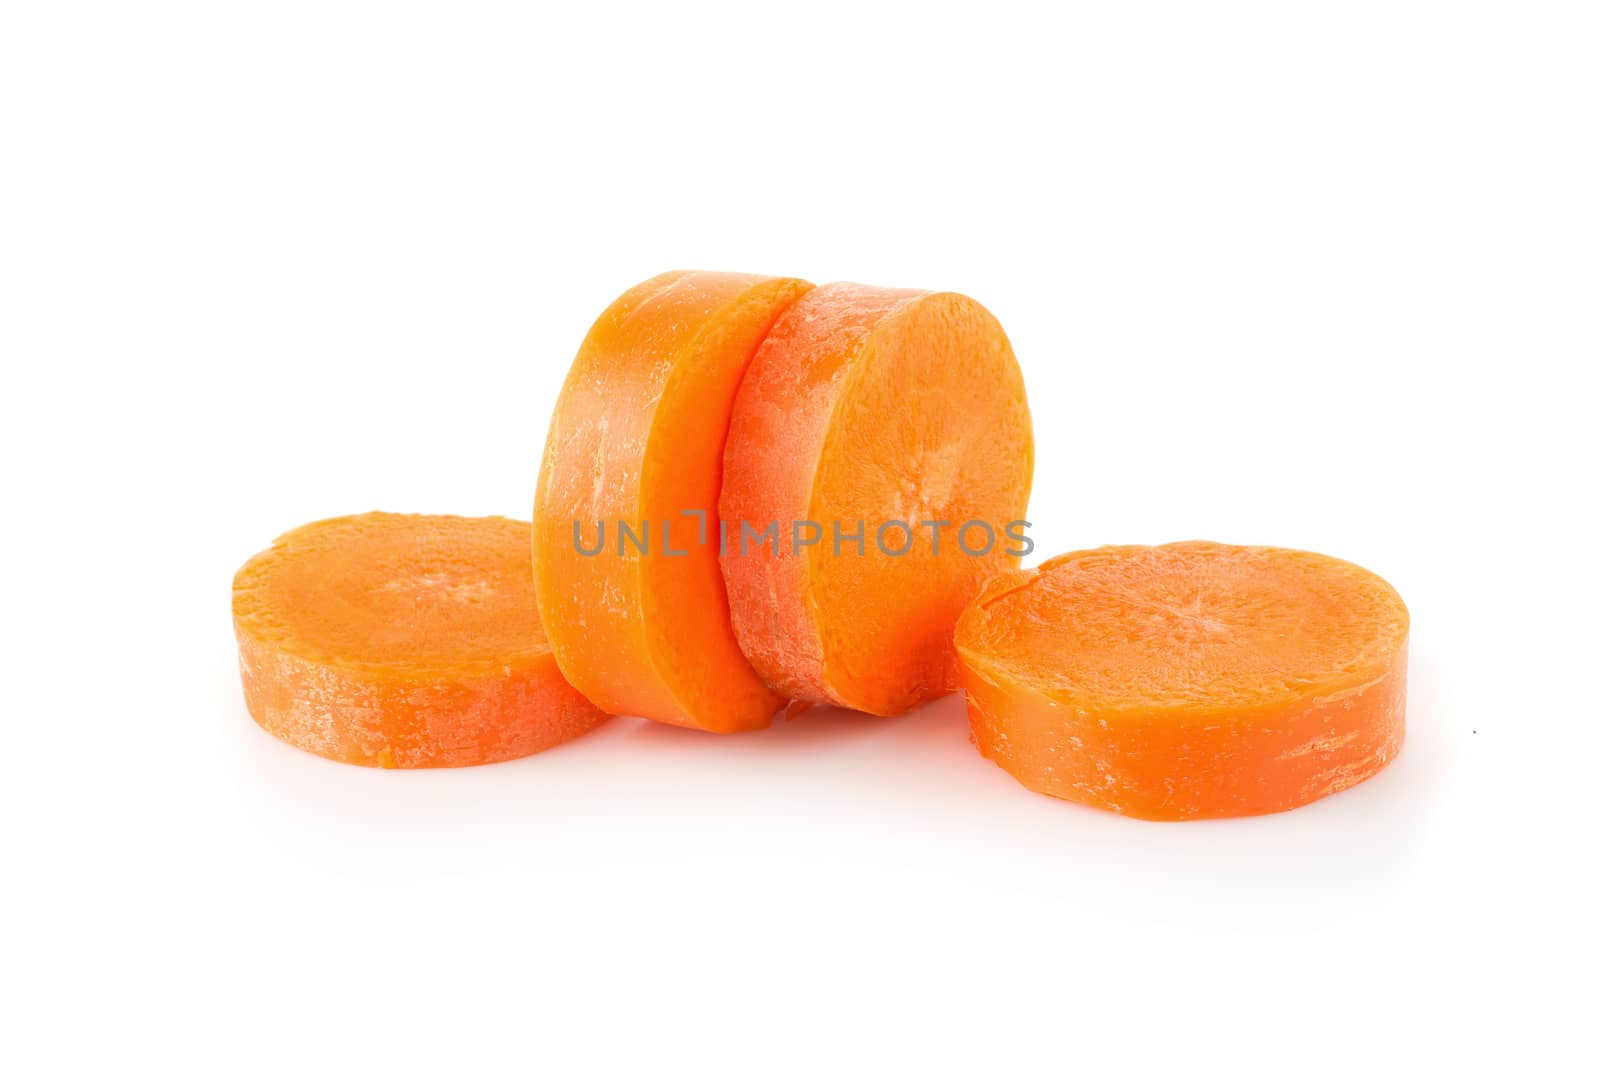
(742, 486)
(758, 493)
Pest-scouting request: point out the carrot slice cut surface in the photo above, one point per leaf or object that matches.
(1187, 681)
(402, 641)
(626, 524)
(882, 438)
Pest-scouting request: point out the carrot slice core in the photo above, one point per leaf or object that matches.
(402, 641)
(1187, 681)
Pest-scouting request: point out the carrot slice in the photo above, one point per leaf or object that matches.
(1187, 681)
(890, 427)
(626, 532)
(402, 641)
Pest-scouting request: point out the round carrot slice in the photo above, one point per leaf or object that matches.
(626, 528)
(876, 475)
(402, 641)
(1187, 681)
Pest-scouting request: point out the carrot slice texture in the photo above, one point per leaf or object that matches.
(402, 641)
(1187, 681)
(639, 619)
(864, 408)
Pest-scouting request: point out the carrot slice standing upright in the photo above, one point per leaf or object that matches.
(626, 532)
(878, 465)
(402, 641)
(1187, 681)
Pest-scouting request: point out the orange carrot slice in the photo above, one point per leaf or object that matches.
(890, 428)
(626, 530)
(1187, 681)
(402, 641)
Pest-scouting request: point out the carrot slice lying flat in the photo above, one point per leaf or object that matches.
(1187, 681)
(864, 408)
(641, 626)
(402, 641)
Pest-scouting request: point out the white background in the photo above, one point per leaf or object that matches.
(1323, 276)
